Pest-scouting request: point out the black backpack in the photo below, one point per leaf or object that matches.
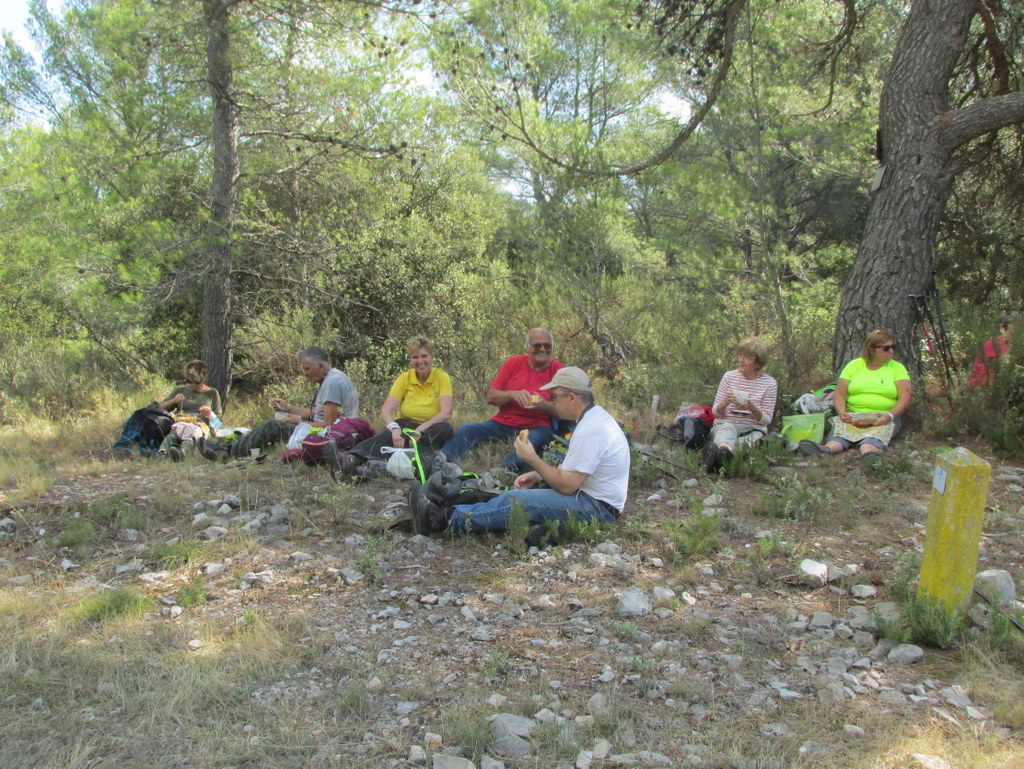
(146, 428)
(692, 432)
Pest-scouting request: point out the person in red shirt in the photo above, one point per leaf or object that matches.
(992, 350)
(522, 404)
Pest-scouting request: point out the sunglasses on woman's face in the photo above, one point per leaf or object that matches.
(886, 347)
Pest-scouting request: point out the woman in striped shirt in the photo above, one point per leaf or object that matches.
(744, 405)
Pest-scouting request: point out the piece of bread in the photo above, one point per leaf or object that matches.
(524, 435)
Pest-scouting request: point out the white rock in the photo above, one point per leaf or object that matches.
(432, 742)
(486, 762)
(814, 573)
(863, 591)
(634, 602)
(597, 705)
(601, 749)
(905, 654)
(713, 500)
(213, 568)
(216, 532)
(299, 556)
(444, 761)
(853, 730)
(996, 585)
(931, 762)
(417, 756)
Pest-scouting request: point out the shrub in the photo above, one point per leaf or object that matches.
(109, 605)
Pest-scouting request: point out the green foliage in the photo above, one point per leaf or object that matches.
(498, 665)
(698, 535)
(625, 630)
(369, 562)
(110, 605)
(791, 499)
(192, 592)
(178, 554)
(924, 621)
(79, 532)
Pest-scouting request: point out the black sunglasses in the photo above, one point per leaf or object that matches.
(540, 345)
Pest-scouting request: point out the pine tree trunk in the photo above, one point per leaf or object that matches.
(217, 293)
(896, 253)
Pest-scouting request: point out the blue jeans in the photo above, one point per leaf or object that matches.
(469, 435)
(540, 504)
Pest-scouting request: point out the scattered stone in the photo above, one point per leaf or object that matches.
(814, 573)
(486, 762)
(956, 696)
(906, 654)
(432, 742)
(931, 762)
(216, 532)
(645, 758)
(853, 730)
(128, 535)
(634, 602)
(444, 761)
(597, 705)
(511, 734)
(298, 556)
(195, 644)
(996, 585)
(417, 756)
(698, 756)
(713, 500)
(863, 591)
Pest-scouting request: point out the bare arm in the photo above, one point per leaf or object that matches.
(839, 399)
(562, 481)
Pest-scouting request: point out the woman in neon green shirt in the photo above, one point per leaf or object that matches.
(872, 393)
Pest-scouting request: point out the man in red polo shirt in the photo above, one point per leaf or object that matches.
(522, 404)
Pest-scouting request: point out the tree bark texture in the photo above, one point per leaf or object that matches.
(919, 134)
(217, 295)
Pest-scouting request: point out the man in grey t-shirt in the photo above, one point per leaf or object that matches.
(335, 397)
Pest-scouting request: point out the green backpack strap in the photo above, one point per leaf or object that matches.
(417, 462)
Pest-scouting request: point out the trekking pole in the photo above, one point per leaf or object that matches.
(944, 370)
(943, 336)
(915, 301)
(924, 317)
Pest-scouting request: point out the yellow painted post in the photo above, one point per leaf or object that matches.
(953, 536)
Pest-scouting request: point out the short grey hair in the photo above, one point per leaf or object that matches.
(584, 395)
(315, 355)
(551, 337)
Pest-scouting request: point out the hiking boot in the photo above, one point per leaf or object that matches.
(810, 448)
(331, 459)
(427, 516)
(175, 454)
(542, 534)
(370, 470)
(724, 456)
(709, 457)
(205, 451)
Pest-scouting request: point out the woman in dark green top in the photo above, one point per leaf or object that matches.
(197, 403)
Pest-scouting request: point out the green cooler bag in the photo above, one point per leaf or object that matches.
(799, 427)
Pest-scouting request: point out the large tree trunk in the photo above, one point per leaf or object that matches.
(217, 351)
(919, 134)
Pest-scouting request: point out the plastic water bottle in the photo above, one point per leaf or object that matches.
(655, 402)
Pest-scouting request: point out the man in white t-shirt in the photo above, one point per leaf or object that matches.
(591, 483)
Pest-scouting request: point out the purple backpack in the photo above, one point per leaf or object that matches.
(345, 433)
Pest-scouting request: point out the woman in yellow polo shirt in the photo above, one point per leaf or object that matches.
(420, 399)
